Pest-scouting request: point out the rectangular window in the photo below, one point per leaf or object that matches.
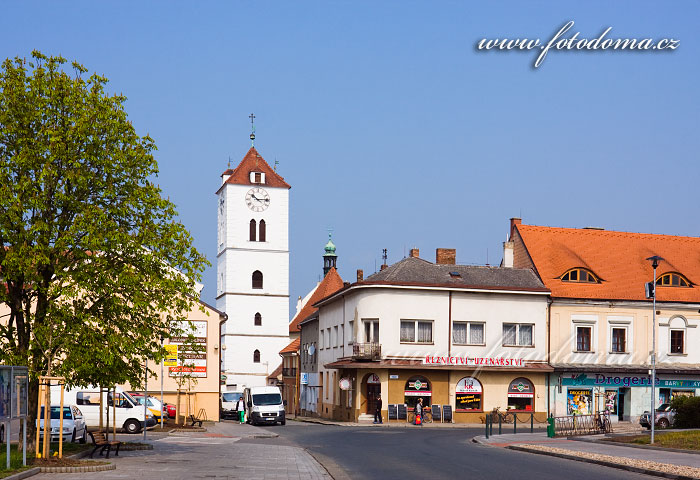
(518, 334)
(618, 340)
(320, 340)
(677, 341)
(468, 333)
(335, 336)
(416, 331)
(371, 330)
(583, 339)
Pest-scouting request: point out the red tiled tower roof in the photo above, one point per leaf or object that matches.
(618, 259)
(330, 284)
(254, 162)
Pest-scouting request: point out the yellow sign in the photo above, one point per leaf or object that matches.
(171, 357)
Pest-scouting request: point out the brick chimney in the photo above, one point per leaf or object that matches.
(414, 253)
(360, 275)
(384, 266)
(445, 256)
(513, 222)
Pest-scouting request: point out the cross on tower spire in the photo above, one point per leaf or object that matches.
(252, 129)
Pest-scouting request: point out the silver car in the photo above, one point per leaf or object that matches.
(74, 427)
(664, 417)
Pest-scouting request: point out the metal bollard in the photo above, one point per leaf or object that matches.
(532, 423)
(500, 421)
(515, 423)
(486, 423)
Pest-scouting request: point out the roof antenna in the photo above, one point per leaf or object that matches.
(276, 164)
(229, 162)
(252, 130)
(384, 256)
(487, 257)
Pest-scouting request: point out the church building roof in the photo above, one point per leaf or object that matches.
(254, 162)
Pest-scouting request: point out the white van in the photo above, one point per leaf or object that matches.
(264, 405)
(129, 414)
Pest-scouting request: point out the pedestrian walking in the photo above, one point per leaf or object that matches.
(240, 406)
(378, 410)
(419, 412)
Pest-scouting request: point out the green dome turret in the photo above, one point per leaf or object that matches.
(329, 258)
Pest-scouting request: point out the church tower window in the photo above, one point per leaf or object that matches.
(258, 319)
(257, 279)
(263, 233)
(256, 356)
(252, 230)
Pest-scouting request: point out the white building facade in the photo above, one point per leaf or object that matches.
(252, 270)
(468, 338)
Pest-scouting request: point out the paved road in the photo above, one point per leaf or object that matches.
(407, 453)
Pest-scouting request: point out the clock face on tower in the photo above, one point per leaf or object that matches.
(257, 199)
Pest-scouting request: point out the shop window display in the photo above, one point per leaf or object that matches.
(521, 395)
(417, 387)
(468, 395)
(579, 401)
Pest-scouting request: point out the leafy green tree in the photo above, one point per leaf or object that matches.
(95, 264)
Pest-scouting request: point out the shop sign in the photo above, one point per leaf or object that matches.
(601, 380)
(393, 377)
(521, 388)
(418, 393)
(468, 385)
(473, 361)
(304, 378)
(171, 356)
(373, 379)
(344, 383)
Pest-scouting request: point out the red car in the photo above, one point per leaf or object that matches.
(170, 410)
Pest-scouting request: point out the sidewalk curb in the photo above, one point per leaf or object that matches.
(25, 474)
(643, 447)
(629, 468)
(402, 424)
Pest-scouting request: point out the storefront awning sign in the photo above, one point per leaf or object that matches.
(438, 360)
(373, 379)
(418, 393)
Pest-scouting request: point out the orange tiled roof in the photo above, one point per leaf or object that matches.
(276, 373)
(253, 162)
(617, 258)
(330, 284)
(292, 347)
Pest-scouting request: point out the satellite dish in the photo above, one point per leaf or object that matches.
(312, 350)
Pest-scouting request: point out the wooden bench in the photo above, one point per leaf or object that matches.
(194, 420)
(100, 441)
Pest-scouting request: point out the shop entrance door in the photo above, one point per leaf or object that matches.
(373, 391)
(621, 394)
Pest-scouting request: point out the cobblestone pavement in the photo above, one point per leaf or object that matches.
(216, 453)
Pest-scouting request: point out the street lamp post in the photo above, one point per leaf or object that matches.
(652, 417)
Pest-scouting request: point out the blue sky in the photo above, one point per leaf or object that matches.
(389, 125)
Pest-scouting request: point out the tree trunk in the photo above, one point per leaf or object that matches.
(32, 406)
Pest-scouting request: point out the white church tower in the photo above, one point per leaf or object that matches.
(252, 270)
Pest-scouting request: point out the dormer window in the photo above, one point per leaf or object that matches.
(257, 177)
(579, 275)
(673, 280)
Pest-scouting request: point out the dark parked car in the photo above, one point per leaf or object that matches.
(664, 417)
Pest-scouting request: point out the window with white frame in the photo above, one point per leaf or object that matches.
(677, 326)
(351, 332)
(416, 331)
(518, 335)
(468, 333)
(371, 329)
(618, 338)
(583, 338)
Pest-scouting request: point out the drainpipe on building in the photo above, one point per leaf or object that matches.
(449, 325)
(549, 350)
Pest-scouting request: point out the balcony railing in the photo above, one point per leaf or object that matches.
(367, 351)
(289, 372)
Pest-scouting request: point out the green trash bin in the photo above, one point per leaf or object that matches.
(550, 426)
